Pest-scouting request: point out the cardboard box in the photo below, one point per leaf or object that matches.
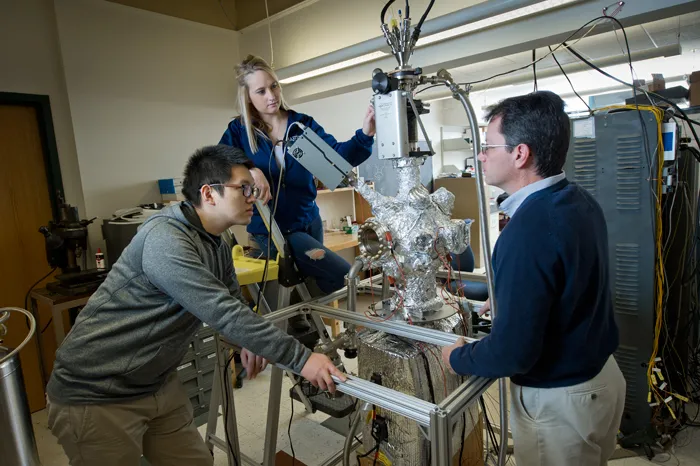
(658, 83)
(694, 91)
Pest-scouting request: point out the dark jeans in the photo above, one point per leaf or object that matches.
(311, 257)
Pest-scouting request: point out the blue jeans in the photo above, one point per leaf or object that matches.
(311, 257)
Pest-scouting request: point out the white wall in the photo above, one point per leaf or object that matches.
(341, 115)
(145, 91)
(30, 63)
(329, 25)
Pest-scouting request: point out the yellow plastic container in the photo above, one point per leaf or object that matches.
(249, 270)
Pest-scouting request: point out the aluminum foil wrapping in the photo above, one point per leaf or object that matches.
(401, 364)
(420, 236)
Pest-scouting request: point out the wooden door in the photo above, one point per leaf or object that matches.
(25, 205)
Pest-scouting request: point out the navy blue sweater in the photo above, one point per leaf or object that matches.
(555, 325)
(296, 205)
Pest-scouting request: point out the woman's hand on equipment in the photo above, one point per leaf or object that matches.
(252, 363)
(318, 370)
(262, 184)
(486, 308)
(369, 126)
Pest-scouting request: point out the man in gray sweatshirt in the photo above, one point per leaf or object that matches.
(114, 394)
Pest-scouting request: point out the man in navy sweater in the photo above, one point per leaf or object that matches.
(555, 331)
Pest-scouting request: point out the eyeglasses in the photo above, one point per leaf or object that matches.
(485, 147)
(247, 189)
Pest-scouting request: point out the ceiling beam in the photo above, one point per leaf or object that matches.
(550, 27)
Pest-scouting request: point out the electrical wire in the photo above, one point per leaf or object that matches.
(655, 380)
(383, 13)
(534, 67)
(26, 298)
(569, 81)
(594, 21)
(658, 397)
(269, 30)
(534, 62)
(422, 18)
(273, 211)
(683, 114)
(289, 427)
(461, 439)
(228, 18)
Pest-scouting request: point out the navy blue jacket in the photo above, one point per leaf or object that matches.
(555, 325)
(296, 206)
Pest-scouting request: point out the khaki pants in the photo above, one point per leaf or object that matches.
(568, 426)
(159, 427)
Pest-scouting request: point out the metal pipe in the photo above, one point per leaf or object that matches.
(352, 284)
(273, 415)
(284, 314)
(5, 313)
(486, 245)
(17, 440)
(466, 276)
(420, 122)
(347, 447)
(461, 17)
(338, 457)
(386, 288)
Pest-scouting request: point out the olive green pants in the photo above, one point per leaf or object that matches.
(160, 427)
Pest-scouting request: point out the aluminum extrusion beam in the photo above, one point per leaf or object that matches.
(433, 337)
(408, 406)
(459, 404)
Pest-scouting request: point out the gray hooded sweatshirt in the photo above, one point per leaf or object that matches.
(135, 329)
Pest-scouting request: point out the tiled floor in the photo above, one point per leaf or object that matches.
(313, 443)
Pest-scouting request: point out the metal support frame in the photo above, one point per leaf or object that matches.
(439, 419)
(222, 392)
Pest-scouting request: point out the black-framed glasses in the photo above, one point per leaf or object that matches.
(485, 147)
(247, 189)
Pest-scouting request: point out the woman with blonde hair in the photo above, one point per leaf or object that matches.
(265, 119)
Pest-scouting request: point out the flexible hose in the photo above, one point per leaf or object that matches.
(347, 447)
(4, 315)
(386, 7)
(486, 244)
(425, 15)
